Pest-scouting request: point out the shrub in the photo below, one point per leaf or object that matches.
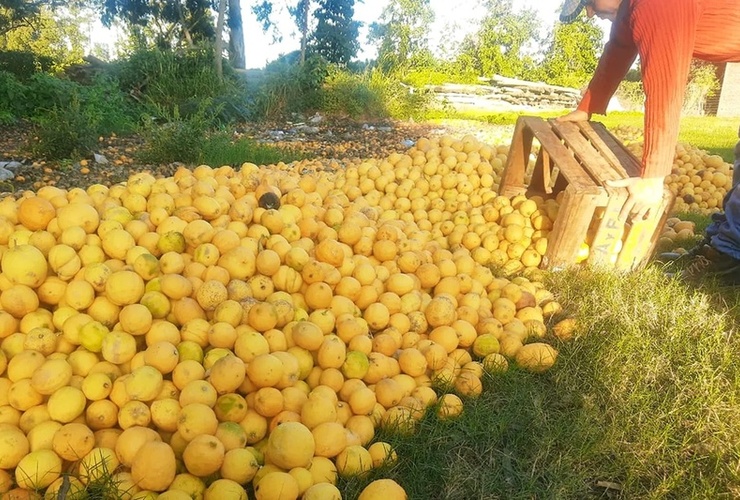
(24, 64)
(65, 131)
(70, 117)
(12, 98)
(400, 100)
(170, 137)
(288, 88)
(350, 94)
(164, 79)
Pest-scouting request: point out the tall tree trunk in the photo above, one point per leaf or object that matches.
(237, 55)
(219, 46)
(304, 29)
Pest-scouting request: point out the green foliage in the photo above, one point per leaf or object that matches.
(14, 13)
(66, 132)
(572, 54)
(221, 149)
(23, 63)
(351, 94)
(290, 88)
(401, 32)
(171, 137)
(501, 44)
(336, 36)
(437, 75)
(703, 83)
(401, 101)
(165, 24)
(12, 98)
(70, 117)
(166, 79)
(631, 95)
(55, 35)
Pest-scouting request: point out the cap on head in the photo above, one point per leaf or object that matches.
(571, 9)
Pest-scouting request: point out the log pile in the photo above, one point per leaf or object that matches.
(500, 93)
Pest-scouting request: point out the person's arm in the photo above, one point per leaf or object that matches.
(619, 54)
(665, 37)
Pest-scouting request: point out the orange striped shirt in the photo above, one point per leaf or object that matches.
(666, 34)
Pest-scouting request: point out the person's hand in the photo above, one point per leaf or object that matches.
(644, 195)
(574, 116)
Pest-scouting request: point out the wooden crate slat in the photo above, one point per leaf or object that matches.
(643, 236)
(610, 230)
(591, 160)
(516, 162)
(617, 153)
(574, 218)
(562, 155)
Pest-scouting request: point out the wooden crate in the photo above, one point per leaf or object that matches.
(574, 160)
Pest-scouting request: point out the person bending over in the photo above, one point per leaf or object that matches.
(666, 35)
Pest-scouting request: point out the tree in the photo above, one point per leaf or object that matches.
(401, 33)
(171, 22)
(504, 43)
(336, 35)
(219, 43)
(572, 54)
(54, 35)
(237, 55)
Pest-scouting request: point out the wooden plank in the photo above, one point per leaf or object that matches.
(521, 146)
(635, 243)
(590, 158)
(663, 214)
(617, 153)
(570, 228)
(561, 156)
(546, 172)
(643, 236)
(610, 231)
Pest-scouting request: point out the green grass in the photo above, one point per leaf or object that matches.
(220, 149)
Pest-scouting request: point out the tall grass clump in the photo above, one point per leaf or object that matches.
(288, 87)
(401, 101)
(183, 79)
(351, 94)
(171, 137)
(221, 149)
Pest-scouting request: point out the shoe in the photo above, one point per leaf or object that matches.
(712, 264)
(684, 258)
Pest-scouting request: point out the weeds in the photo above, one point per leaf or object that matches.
(221, 149)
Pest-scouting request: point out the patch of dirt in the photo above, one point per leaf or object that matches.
(328, 140)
